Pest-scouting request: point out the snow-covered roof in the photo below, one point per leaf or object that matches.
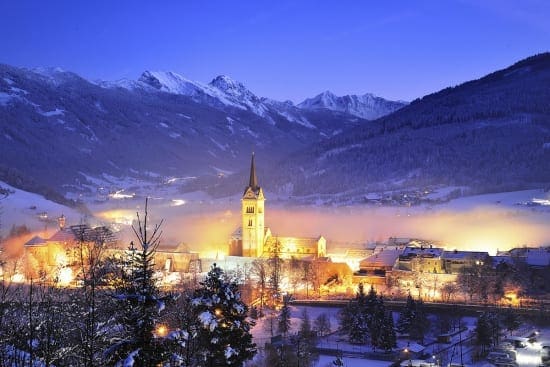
(36, 241)
(415, 348)
(384, 258)
(464, 255)
(412, 251)
(537, 257)
(502, 259)
(62, 235)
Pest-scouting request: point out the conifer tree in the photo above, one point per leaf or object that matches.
(388, 339)
(322, 324)
(406, 316)
(306, 341)
(483, 332)
(224, 335)
(283, 321)
(353, 318)
(420, 324)
(139, 305)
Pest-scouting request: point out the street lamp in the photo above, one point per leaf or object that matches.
(161, 331)
(407, 354)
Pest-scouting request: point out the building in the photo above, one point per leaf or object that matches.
(253, 227)
(420, 259)
(46, 256)
(64, 250)
(454, 261)
(380, 263)
(254, 239)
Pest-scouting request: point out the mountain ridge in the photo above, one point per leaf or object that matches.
(367, 106)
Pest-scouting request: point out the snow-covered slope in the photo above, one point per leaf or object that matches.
(367, 106)
(36, 212)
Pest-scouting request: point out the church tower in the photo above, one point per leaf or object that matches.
(253, 229)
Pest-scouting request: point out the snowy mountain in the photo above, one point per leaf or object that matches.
(367, 106)
(60, 133)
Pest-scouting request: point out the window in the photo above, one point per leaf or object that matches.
(250, 222)
(250, 210)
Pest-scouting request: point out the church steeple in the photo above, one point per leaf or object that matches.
(253, 228)
(253, 182)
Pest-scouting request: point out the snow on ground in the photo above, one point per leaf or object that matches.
(5, 98)
(56, 112)
(326, 361)
(22, 207)
(526, 357)
(502, 199)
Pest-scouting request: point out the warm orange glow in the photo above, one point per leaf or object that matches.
(118, 216)
(511, 297)
(161, 330)
(218, 312)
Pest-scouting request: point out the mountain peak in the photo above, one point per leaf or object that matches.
(228, 85)
(235, 90)
(367, 106)
(167, 81)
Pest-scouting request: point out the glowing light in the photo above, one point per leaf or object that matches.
(118, 216)
(18, 278)
(178, 202)
(511, 297)
(218, 312)
(172, 278)
(161, 330)
(120, 195)
(65, 276)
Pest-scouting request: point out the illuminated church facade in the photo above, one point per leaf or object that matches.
(254, 238)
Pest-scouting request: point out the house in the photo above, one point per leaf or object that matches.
(420, 259)
(454, 261)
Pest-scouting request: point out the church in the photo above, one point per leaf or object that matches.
(254, 238)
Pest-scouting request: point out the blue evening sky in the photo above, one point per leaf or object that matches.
(280, 49)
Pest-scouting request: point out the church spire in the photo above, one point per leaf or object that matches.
(253, 183)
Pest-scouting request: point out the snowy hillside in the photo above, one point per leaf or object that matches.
(486, 135)
(60, 133)
(18, 207)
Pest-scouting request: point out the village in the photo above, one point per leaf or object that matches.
(312, 268)
(283, 278)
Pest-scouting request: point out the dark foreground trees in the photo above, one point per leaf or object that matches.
(224, 335)
(366, 318)
(136, 341)
(119, 317)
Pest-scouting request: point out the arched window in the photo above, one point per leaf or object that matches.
(250, 222)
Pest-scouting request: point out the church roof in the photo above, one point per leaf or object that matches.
(253, 180)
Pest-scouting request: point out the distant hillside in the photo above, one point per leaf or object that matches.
(490, 134)
(60, 133)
